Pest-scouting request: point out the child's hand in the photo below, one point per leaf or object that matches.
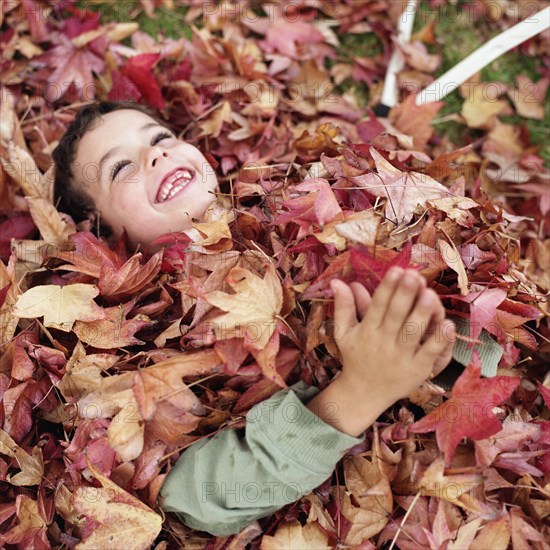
(390, 343)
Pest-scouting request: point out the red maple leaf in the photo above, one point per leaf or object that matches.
(72, 65)
(139, 69)
(468, 412)
(318, 206)
(117, 276)
(370, 270)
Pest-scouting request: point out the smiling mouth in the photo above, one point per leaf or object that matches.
(173, 183)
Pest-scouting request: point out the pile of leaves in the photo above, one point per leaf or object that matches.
(114, 362)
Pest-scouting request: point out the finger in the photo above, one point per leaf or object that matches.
(423, 319)
(402, 302)
(345, 312)
(448, 331)
(362, 298)
(436, 344)
(437, 317)
(381, 297)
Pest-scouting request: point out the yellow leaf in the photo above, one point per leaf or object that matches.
(494, 535)
(61, 306)
(292, 536)
(53, 228)
(22, 168)
(213, 125)
(83, 373)
(479, 109)
(214, 236)
(126, 432)
(456, 209)
(529, 97)
(120, 31)
(32, 467)
(455, 488)
(253, 309)
(452, 258)
(124, 521)
(372, 491)
(8, 321)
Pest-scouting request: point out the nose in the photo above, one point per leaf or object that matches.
(153, 154)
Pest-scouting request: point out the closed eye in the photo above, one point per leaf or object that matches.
(160, 136)
(122, 163)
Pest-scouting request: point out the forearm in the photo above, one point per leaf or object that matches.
(221, 484)
(341, 406)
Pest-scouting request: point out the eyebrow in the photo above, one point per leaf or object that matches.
(114, 150)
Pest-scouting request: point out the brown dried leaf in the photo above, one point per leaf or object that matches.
(61, 306)
(32, 466)
(122, 520)
(292, 536)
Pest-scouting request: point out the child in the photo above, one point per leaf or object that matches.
(120, 162)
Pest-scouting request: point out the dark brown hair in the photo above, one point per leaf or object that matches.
(69, 198)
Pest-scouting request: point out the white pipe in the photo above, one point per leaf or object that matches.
(484, 55)
(404, 30)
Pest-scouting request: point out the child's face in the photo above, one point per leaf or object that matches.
(161, 183)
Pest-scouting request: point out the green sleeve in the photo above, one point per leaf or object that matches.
(490, 354)
(222, 484)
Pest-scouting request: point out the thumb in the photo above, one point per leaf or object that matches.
(345, 314)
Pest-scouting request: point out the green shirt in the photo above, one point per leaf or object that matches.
(223, 483)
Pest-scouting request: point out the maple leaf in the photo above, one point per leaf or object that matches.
(253, 309)
(61, 306)
(310, 147)
(415, 120)
(435, 482)
(483, 308)
(473, 256)
(338, 267)
(73, 65)
(495, 535)
(53, 228)
(121, 520)
(16, 226)
(89, 256)
(512, 436)
(83, 372)
(130, 278)
(10, 291)
(372, 492)
(294, 536)
(30, 532)
(529, 97)
(405, 191)
(139, 69)
(371, 270)
(468, 411)
(319, 207)
(522, 531)
(118, 277)
(32, 467)
(453, 259)
(23, 169)
(283, 34)
(264, 388)
(480, 108)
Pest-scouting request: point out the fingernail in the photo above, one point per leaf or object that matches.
(394, 272)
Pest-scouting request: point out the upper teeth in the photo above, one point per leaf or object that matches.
(170, 186)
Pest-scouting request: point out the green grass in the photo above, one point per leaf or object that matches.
(166, 23)
(459, 35)
(457, 32)
(356, 45)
